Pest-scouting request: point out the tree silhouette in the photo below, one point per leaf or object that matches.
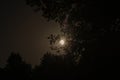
(55, 67)
(16, 68)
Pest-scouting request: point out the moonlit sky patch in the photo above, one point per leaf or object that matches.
(23, 30)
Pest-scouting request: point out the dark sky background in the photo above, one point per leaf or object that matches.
(24, 31)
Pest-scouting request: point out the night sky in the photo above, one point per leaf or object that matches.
(23, 30)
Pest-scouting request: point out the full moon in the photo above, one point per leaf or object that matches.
(62, 42)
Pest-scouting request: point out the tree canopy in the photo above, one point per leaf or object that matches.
(16, 68)
(83, 22)
(92, 29)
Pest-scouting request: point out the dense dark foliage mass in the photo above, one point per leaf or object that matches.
(16, 68)
(60, 67)
(91, 28)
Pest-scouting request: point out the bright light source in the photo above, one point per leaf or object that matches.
(62, 42)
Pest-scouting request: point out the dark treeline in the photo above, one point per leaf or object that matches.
(64, 66)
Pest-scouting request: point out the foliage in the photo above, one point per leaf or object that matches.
(91, 27)
(82, 21)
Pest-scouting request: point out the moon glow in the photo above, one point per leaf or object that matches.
(62, 42)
